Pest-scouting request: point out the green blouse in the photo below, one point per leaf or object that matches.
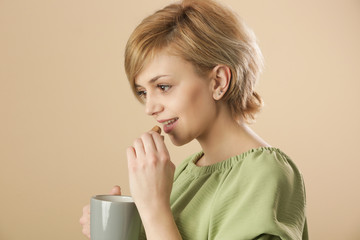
(259, 194)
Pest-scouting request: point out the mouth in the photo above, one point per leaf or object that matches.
(168, 122)
(169, 125)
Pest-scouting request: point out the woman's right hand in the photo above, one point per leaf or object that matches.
(85, 218)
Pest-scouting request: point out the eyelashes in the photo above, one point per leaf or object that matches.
(164, 88)
(141, 92)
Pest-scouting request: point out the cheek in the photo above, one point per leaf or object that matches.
(196, 109)
(199, 103)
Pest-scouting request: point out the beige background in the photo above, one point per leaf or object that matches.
(67, 113)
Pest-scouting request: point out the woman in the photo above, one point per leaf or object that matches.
(194, 65)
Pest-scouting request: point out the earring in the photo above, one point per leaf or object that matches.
(220, 92)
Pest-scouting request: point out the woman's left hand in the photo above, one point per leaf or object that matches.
(151, 172)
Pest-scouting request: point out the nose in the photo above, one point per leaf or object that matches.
(152, 105)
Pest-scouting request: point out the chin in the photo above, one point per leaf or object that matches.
(178, 141)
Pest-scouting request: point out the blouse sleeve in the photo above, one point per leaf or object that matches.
(263, 199)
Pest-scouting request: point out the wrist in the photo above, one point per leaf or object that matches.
(154, 210)
(159, 223)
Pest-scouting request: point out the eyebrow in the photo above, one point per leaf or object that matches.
(154, 79)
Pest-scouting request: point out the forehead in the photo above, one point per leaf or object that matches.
(162, 63)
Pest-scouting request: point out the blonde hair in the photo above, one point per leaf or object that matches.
(206, 34)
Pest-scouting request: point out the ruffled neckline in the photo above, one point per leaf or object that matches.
(226, 164)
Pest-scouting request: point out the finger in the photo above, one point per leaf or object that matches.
(116, 190)
(148, 142)
(160, 144)
(83, 220)
(86, 209)
(130, 153)
(131, 158)
(157, 129)
(139, 148)
(86, 231)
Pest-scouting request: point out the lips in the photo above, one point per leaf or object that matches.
(169, 124)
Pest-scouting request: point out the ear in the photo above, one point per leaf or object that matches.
(221, 76)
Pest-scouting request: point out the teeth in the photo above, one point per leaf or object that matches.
(170, 121)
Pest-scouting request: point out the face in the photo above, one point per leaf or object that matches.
(177, 97)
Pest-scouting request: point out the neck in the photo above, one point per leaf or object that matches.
(227, 138)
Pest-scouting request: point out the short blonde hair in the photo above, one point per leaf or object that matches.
(206, 34)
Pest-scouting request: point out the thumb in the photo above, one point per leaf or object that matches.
(116, 190)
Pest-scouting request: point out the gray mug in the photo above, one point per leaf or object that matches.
(114, 217)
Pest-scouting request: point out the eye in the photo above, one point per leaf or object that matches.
(164, 87)
(141, 94)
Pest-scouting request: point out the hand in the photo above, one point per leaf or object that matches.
(151, 172)
(85, 218)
